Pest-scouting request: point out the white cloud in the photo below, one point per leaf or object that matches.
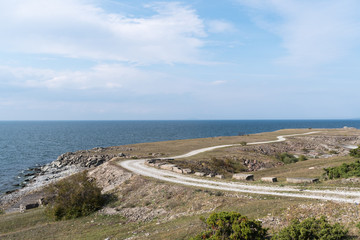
(102, 78)
(79, 29)
(313, 32)
(218, 82)
(220, 26)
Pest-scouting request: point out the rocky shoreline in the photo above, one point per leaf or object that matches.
(38, 177)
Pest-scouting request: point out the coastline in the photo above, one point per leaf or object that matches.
(65, 165)
(73, 162)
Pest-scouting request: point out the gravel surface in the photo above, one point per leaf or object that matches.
(139, 167)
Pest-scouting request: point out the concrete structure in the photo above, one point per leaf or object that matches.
(241, 176)
(269, 179)
(167, 166)
(302, 180)
(200, 174)
(177, 170)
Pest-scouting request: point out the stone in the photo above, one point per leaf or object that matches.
(302, 180)
(219, 176)
(200, 174)
(241, 176)
(269, 179)
(187, 171)
(210, 175)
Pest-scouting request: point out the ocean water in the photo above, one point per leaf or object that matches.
(26, 144)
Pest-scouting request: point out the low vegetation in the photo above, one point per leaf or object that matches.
(343, 171)
(231, 225)
(288, 158)
(355, 152)
(312, 228)
(73, 197)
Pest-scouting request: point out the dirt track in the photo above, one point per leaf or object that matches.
(139, 167)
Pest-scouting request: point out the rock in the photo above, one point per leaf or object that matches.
(219, 176)
(121, 155)
(240, 176)
(302, 180)
(211, 175)
(200, 174)
(269, 179)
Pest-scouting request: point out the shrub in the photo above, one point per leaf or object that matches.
(73, 197)
(286, 158)
(355, 152)
(344, 170)
(243, 143)
(302, 158)
(231, 225)
(312, 228)
(219, 165)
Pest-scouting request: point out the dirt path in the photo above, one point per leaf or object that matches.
(139, 167)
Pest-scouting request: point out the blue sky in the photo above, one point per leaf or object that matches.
(200, 59)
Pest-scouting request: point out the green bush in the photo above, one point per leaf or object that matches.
(286, 158)
(302, 158)
(312, 228)
(344, 170)
(73, 197)
(231, 225)
(226, 165)
(243, 143)
(355, 152)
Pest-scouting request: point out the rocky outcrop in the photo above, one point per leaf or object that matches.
(81, 160)
(108, 176)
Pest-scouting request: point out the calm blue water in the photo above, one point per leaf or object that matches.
(31, 143)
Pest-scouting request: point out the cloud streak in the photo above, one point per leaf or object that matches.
(79, 29)
(312, 32)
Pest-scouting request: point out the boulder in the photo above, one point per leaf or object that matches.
(219, 176)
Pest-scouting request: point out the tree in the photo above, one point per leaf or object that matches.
(312, 228)
(73, 197)
(231, 225)
(355, 152)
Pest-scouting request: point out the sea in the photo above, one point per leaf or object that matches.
(29, 144)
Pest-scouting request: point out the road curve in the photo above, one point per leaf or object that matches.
(139, 167)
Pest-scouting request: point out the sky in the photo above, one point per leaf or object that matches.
(179, 60)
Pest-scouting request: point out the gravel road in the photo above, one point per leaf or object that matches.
(139, 167)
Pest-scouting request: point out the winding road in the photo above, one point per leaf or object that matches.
(139, 167)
